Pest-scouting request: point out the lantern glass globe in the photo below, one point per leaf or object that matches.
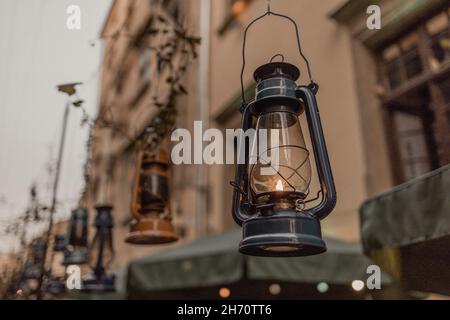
(281, 162)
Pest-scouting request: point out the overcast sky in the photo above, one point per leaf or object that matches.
(37, 52)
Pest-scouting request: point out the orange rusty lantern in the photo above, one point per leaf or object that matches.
(150, 202)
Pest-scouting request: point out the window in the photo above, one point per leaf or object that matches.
(236, 7)
(412, 145)
(438, 29)
(445, 89)
(445, 86)
(411, 135)
(233, 9)
(145, 59)
(416, 76)
(402, 61)
(393, 72)
(440, 44)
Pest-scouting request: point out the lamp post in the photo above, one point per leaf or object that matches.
(70, 90)
(271, 198)
(101, 253)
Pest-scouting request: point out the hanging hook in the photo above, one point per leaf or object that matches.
(299, 47)
(277, 55)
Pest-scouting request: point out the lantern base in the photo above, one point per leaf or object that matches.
(284, 234)
(105, 284)
(78, 256)
(151, 231)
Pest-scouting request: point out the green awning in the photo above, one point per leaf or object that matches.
(407, 231)
(416, 211)
(215, 261)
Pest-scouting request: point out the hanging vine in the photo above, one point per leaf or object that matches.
(174, 49)
(178, 43)
(11, 278)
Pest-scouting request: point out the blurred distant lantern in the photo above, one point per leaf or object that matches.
(32, 268)
(69, 88)
(77, 237)
(150, 203)
(101, 252)
(32, 271)
(55, 286)
(38, 251)
(272, 188)
(60, 243)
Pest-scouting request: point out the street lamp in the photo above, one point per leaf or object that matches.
(150, 203)
(271, 198)
(77, 237)
(101, 252)
(70, 90)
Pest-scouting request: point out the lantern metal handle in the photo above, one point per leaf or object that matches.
(104, 239)
(268, 13)
(69, 231)
(307, 95)
(239, 213)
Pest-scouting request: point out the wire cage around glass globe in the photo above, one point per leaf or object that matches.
(280, 172)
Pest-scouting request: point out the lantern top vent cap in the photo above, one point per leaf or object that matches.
(158, 156)
(276, 69)
(104, 206)
(80, 212)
